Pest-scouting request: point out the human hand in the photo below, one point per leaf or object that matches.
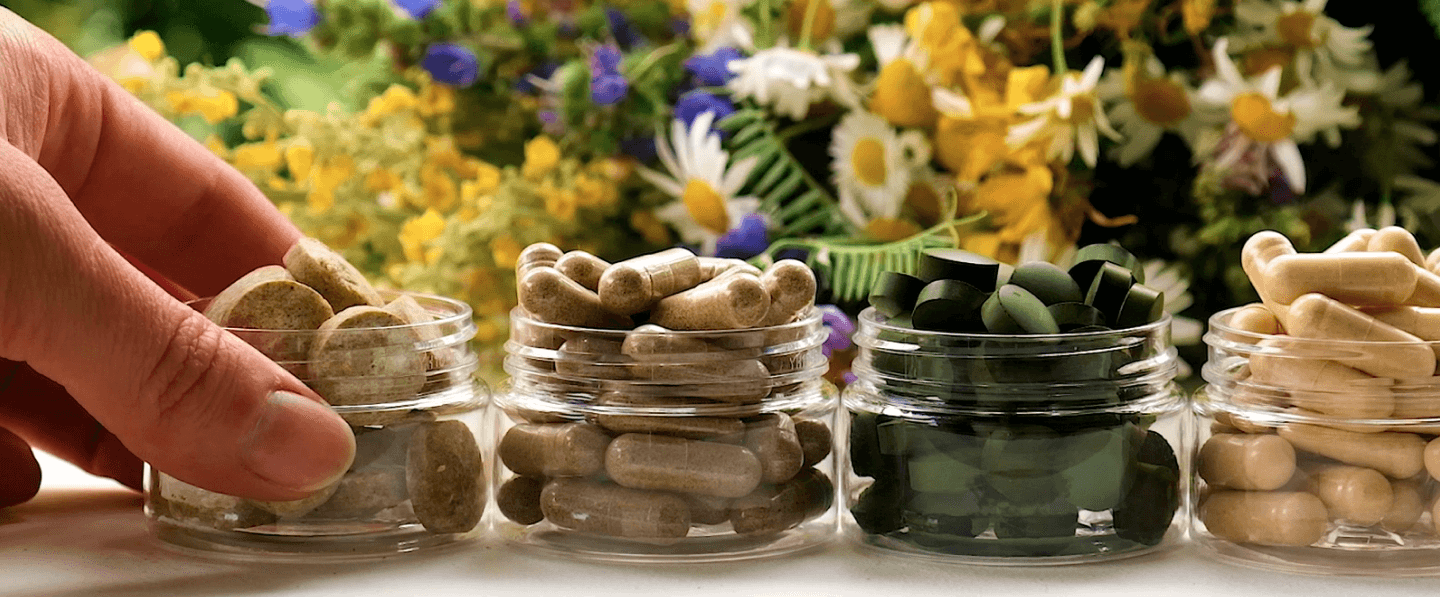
(110, 217)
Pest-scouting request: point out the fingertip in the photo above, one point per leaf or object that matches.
(21, 481)
(298, 444)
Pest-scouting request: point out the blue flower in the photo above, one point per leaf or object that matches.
(712, 70)
(680, 27)
(291, 17)
(841, 329)
(695, 103)
(451, 64)
(746, 240)
(608, 89)
(621, 28)
(418, 9)
(605, 60)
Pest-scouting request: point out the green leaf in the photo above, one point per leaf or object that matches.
(797, 203)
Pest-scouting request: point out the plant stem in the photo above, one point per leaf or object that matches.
(767, 28)
(1057, 42)
(812, 7)
(806, 126)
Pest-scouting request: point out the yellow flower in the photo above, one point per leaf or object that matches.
(438, 188)
(319, 200)
(1196, 15)
(381, 179)
(595, 193)
(148, 45)
(1123, 16)
(969, 148)
(650, 228)
(298, 158)
(258, 156)
(216, 145)
(541, 156)
(559, 203)
(326, 180)
(436, 99)
(393, 100)
(418, 231)
(1018, 201)
(486, 179)
(885, 230)
(505, 250)
(213, 105)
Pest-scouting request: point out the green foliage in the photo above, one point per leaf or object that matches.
(797, 203)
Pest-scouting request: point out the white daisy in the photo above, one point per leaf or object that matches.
(1265, 126)
(699, 179)
(717, 23)
(1147, 102)
(1169, 278)
(1325, 50)
(874, 166)
(790, 80)
(1070, 118)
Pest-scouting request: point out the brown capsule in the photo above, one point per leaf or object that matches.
(775, 508)
(445, 477)
(592, 357)
(583, 268)
(554, 450)
(1247, 461)
(636, 284)
(320, 268)
(1401, 355)
(1406, 509)
(519, 499)
(726, 303)
(815, 440)
(708, 510)
(1357, 240)
(1356, 495)
(554, 298)
(791, 286)
(1432, 458)
(1398, 240)
(695, 427)
(652, 462)
(362, 494)
(537, 255)
(607, 509)
(1395, 454)
(1265, 518)
(773, 439)
(711, 267)
(365, 356)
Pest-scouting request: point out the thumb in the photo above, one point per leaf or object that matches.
(189, 398)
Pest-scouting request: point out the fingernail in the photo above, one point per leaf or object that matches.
(298, 444)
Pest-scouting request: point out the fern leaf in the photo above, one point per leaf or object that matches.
(780, 181)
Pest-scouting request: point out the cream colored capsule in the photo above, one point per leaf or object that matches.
(726, 303)
(634, 285)
(1357, 240)
(1398, 240)
(583, 268)
(1259, 250)
(1427, 289)
(1407, 507)
(718, 429)
(1432, 261)
(1384, 278)
(1247, 461)
(1266, 518)
(554, 298)
(1423, 322)
(1255, 318)
(1432, 458)
(1395, 454)
(1403, 355)
(1357, 495)
(1322, 386)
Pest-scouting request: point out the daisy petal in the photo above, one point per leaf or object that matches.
(1287, 154)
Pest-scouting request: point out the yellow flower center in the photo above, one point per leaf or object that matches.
(1082, 109)
(886, 230)
(868, 161)
(708, 21)
(706, 206)
(1258, 119)
(1161, 101)
(1257, 62)
(1295, 29)
(902, 96)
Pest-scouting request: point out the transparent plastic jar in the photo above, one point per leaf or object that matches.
(418, 479)
(1014, 449)
(1304, 463)
(671, 447)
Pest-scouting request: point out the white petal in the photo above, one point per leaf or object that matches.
(1223, 65)
(951, 103)
(664, 183)
(667, 157)
(737, 175)
(1064, 108)
(1089, 143)
(1020, 134)
(1091, 76)
(1103, 123)
(1287, 154)
(888, 41)
(1269, 83)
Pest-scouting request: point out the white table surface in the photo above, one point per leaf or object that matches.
(85, 535)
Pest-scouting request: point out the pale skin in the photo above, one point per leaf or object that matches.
(110, 218)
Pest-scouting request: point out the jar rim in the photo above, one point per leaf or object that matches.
(518, 314)
(871, 316)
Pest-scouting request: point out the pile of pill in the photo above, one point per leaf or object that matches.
(319, 318)
(959, 291)
(978, 472)
(674, 438)
(1318, 453)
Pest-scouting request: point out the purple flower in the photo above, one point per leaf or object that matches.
(746, 240)
(418, 9)
(291, 17)
(841, 328)
(621, 28)
(680, 27)
(713, 70)
(849, 378)
(451, 64)
(695, 103)
(605, 60)
(516, 12)
(608, 89)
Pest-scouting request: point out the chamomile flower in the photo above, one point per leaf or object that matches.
(1325, 50)
(703, 182)
(902, 91)
(1263, 125)
(874, 166)
(1146, 102)
(1071, 118)
(717, 23)
(789, 80)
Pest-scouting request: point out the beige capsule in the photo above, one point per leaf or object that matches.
(535, 256)
(270, 299)
(1360, 278)
(654, 462)
(711, 267)
(1406, 509)
(1265, 518)
(1423, 322)
(1432, 260)
(362, 494)
(365, 356)
(1395, 454)
(554, 450)
(726, 303)
(1397, 240)
(695, 427)
(791, 286)
(1323, 386)
(1259, 250)
(320, 268)
(634, 285)
(610, 510)
(1355, 495)
(1255, 318)
(554, 298)
(1399, 354)
(773, 439)
(1247, 461)
(299, 507)
(1357, 240)
(1427, 289)
(1432, 458)
(582, 267)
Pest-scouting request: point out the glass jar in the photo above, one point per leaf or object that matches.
(1014, 449)
(1305, 462)
(665, 446)
(418, 478)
